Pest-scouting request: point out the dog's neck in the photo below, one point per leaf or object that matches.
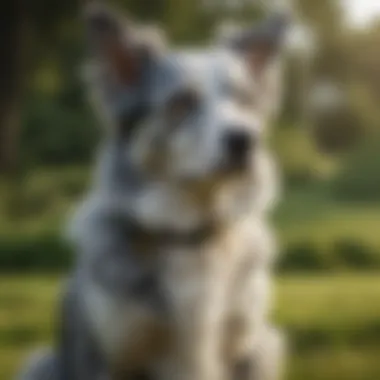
(146, 240)
(160, 206)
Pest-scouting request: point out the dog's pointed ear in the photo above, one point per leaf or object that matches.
(120, 46)
(262, 43)
(261, 47)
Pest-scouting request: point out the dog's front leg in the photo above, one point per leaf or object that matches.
(199, 340)
(249, 306)
(78, 357)
(253, 351)
(198, 298)
(266, 361)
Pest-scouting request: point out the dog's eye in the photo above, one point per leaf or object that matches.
(181, 105)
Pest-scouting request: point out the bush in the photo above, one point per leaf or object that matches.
(336, 255)
(299, 160)
(304, 256)
(55, 134)
(359, 180)
(41, 253)
(48, 252)
(356, 255)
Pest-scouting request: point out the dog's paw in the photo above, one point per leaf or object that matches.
(266, 361)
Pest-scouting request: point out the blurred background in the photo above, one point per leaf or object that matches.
(327, 142)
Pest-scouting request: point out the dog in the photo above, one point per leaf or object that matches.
(172, 279)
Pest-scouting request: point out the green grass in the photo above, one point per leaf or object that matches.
(332, 323)
(39, 202)
(309, 212)
(310, 218)
(327, 299)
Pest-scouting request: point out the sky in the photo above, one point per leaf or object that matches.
(361, 12)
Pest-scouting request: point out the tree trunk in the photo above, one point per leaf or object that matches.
(12, 37)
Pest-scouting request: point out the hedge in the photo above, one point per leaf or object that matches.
(48, 252)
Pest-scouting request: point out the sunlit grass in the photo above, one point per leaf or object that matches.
(323, 300)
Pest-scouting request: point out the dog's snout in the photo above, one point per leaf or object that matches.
(238, 144)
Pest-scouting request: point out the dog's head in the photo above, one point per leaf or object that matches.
(190, 117)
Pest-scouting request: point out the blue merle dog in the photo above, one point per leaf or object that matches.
(173, 275)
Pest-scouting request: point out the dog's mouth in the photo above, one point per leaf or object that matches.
(236, 166)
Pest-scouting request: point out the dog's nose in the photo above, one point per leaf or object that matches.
(238, 144)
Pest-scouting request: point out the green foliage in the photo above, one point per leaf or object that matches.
(45, 253)
(57, 134)
(359, 179)
(298, 157)
(356, 255)
(304, 257)
(37, 204)
(339, 255)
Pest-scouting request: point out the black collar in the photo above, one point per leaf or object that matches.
(164, 237)
(145, 245)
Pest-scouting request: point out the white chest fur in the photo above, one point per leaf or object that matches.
(200, 286)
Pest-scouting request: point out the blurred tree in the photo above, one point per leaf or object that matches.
(340, 125)
(13, 31)
(26, 30)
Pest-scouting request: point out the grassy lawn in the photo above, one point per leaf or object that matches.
(310, 214)
(333, 323)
